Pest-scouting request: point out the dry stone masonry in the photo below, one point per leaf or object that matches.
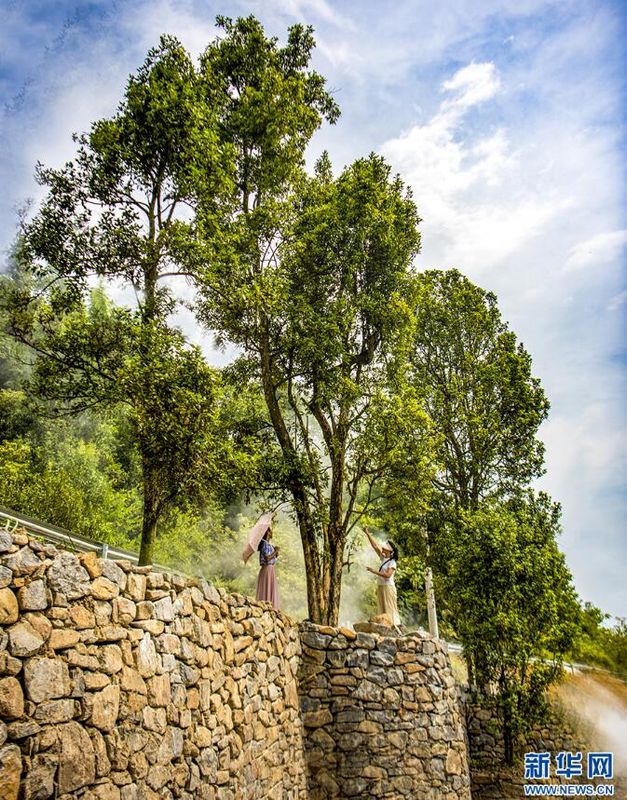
(119, 683)
(382, 716)
(122, 683)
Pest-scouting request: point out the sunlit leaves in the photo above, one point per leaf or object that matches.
(480, 392)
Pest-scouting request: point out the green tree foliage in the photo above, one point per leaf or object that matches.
(614, 642)
(17, 417)
(120, 211)
(599, 644)
(320, 314)
(82, 474)
(70, 481)
(483, 408)
(99, 356)
(480, 393)
(513, 603)
(501, 582)
(269, 105)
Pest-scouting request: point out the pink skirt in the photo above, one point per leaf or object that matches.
(267, 587)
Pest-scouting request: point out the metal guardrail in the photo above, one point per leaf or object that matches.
(572, 666)
(11, 520)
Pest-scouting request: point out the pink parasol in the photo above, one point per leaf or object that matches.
(256, 535)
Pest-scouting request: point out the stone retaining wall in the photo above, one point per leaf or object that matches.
(382, 716)
(119, 683)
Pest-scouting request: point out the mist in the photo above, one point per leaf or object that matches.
(222, 564)
(599, 701)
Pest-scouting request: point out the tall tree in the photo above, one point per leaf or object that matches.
(480, 392)
(120, 211)
(227, 138)
(320, 312)
(514, 604)
(484, 407)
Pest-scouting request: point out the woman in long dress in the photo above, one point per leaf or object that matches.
(267, 586)
(386, 588)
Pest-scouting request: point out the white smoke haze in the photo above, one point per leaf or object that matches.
(225, 568)
(222, 565)
(599, 701)
(358, 600)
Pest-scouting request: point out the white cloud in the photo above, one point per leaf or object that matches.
(194, 26)
(463, 187)
(599, 249)
(586, 466)
(617, 301)
(319, 9)
(306, 11)
(585, 451)
(431, 157)
(473, 84)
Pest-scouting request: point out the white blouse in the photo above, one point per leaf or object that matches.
(387, 563)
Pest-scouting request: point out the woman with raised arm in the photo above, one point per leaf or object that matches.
(386, 589)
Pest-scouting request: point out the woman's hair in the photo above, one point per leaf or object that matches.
(394, 550)
(263, 538)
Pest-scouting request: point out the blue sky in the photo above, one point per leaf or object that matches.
(506, 117)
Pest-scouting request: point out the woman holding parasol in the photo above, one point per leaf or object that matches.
(260, 540)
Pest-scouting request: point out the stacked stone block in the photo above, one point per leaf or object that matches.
(382, 716)
(121, 683)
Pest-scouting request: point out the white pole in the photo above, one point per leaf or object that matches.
(431, 611)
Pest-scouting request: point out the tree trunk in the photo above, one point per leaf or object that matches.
(334, 557)
(315, 598)
(333, 583)
(508, 738)
(508, 726)
(152, 505)
(151, 511)
(149, 523)
(315, 594)
(470, 669)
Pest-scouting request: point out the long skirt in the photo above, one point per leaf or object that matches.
(386, 600)
(267, 586)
